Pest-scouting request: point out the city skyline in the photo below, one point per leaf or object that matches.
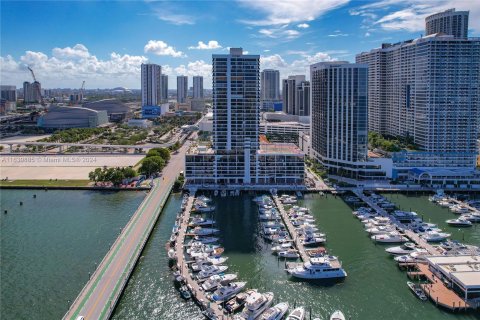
(181, 37)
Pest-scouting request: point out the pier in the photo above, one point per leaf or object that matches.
(99, 296)
(182, 265)
(291, 229)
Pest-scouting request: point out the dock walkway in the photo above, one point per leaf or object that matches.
(408, 233)
(182, 265)
(291, 229)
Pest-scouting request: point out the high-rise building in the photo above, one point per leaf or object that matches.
(182, 89)
(427, 90)
(151, 84)
(289, 90)
(198, 87)
(450, 22)
(238, 157)
(339, 116)
(9, 93)
(32, 92)
(164, 87)
(302, 99)
(269, 89)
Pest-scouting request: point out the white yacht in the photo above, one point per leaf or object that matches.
(289, 254)
(459, 222)
(337, 315)
(327, 267)
(209, 271)
(214, 281)
(206, 240)
(473, 217)
(405, 248)
(281, 247)
(199, 221)
(227, 291)
(199, 231)
(312, 241)
(392, 237)
(297, 314)
(255, 304)
(381, 229)
(204, 199)
(276, 312)
(435, 236)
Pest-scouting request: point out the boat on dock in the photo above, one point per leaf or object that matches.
(255, 305)
(392, 237)
(417, 290)
(327, 267)
(199, 231)
(206, 240)
(337, 315)
(297, 314)
(225, 292)
(238, 301)
(289, 254)
(185, 292)
(276, 312)
(209, 271)
(459, 222)
(435, 236)
(403, 249)
(214, 281)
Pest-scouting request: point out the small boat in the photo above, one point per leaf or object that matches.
(199, 231)
(473, 217)
(289, 254)
(312, 241)
(417, 290)
(238, 301)
(281, 247)
(255, 305)
(459, 222)
(214, 281)
(210, 271)
(200, 222)
(337, 315)
(185, 293)
(276, 312)
(206, 240)
(435, 236)
(392, 237)
(171, 254)
(297, 314)
(405, 248)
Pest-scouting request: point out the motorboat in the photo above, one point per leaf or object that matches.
(255, 305)
(392, 237)
(206, 240)
(289, 254)
(281, 247)
(199, 231)
(203, 207)
(337, 315)
(472, 217)
(312, 241)
(435, 236)
(204, 199)
(185, 292)
(171, 254)
(417, 290)
(225, 292)
(200, 222)
(459, 209)
(214, 281)
(381, 229)
(326, 267)
(238, 301)
(209, 271)
(405, 248)
(276, 312)
(459, 222)
(297, 314)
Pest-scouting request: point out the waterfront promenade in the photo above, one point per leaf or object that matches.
(99, 296)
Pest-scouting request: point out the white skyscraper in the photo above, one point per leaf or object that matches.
(182, 89)
(198, 87)
(151, 84)
(269, 88)
(449, 21)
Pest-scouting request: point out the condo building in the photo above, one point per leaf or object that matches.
(339, 130)
(182, 89)
(32, 92)
(198, 87)
(269, 89)
(151, 84)
(450, 22)
(164, 87)
(237, 156)
(296, 95)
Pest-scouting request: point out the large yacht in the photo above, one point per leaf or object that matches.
(405, 248)
(435, 236)
(227, 291)
(391, 237)
(327, 267)
(256, 304)
(276, 312)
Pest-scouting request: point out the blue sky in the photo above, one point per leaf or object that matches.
(104, 43)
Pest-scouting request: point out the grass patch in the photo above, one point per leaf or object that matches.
(45, 183)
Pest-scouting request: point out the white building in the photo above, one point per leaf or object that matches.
(182, 89)
(450, 22)
(151, 84)
(237, 157)
(269, 88)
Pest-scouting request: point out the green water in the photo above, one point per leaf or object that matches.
(374, 288)
(51, 243)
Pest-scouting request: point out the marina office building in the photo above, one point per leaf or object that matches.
(238, 157)
(427, 89)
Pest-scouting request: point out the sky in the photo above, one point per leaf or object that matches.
(104, 43)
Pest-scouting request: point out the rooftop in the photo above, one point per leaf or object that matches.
(464, 268)
(279, 148)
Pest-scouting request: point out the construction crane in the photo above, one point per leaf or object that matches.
(82, 90)
(37, 87)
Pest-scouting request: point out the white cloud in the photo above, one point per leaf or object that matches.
(289, 11)
(367, 34)
(303, 25)
(280, 33)
(161, 48)
(266, 50)
(165, 14)
(68, 66)
(298, 66)
(338, 35)
(410, 15)
(212, 44)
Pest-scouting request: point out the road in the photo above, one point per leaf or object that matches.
(99, 295)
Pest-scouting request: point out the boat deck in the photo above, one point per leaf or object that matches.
(182, 265)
